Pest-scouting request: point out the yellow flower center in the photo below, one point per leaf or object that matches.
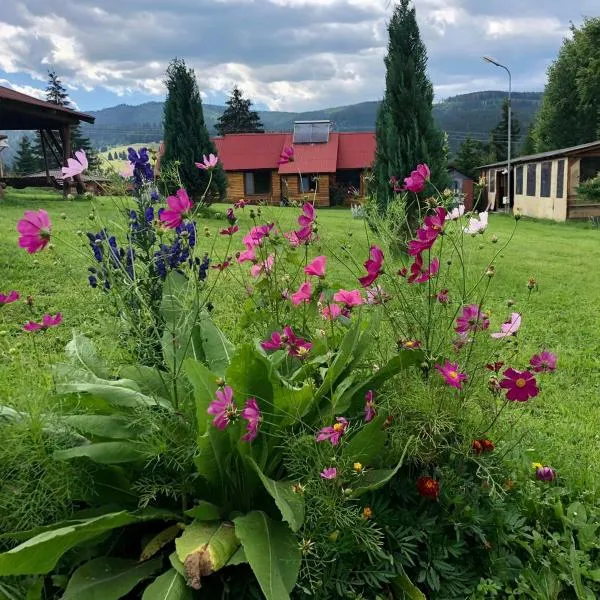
(409, 344)
(338, 427)
(520, 383)
(302, 351)
(358, 467)
(367, 512)
(453, 374)
(537, 466)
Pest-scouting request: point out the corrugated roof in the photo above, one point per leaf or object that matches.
(312, 158)
(542, 155)
(356, 150)
(248, 151)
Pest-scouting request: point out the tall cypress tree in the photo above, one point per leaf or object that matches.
(406, 132)
(25, 161)
(185, 133)
(499, 135)
(237, 117)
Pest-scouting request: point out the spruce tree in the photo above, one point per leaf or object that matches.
(499, 135)
(529, 144)
(406, 132)
(237, 117)
(185, 134)
(471, 154)
(25, 161)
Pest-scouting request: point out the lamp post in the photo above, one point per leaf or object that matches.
(509, 178)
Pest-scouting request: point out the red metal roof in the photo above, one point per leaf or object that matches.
(356, 150)
(312, 158)
(248, 151)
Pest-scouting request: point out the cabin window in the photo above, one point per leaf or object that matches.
(546, 179)
(531, 175)
(308, 183)
(519, 181)
(492, 181)
(589, 167)
(560, 179)
(349, 180)
(257, 182)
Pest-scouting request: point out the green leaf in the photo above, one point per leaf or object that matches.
(272, 551)
(249, 374)
(36, 590)
(403, 584)
(81, 352)
(169, 586)
(107, 426)
(218, 350)
(108, 578)
(204, 511)
(368, 444)
(39, 554)
(239, 558)
(105, 453)
(291, 403)
(577, 514)
(151, 381)
(290, 505)
(160, 540)
(205, 386)
(214, 449)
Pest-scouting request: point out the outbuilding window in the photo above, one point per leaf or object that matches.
(519, 181)
(531, 175)
(546, 179)
(560, 178)
(492, 181)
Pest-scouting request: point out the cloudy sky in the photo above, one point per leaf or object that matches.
(285, 54)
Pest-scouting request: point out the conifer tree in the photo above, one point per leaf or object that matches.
(185, 133)
(406, 132)
(237, 117)
(25, 161)
(471, 154)
(499, 135)
(529, 145)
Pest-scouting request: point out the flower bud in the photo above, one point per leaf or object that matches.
(494, 239)
(91, 216)
(510, 302)
(63, 215)
(334, 535)
(491, 271)
(220, 381)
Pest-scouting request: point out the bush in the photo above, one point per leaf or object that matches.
(589, 190)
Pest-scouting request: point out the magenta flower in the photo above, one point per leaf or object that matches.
(373, 266)
(509, 327)
(519, 385)
(240, 204)
(296, 346)
(248, 255)
(286, 156)
(292, 238)
(230, 230)
(425, 240)
(544, 362)
(223, 408)
(421, 275)
(75, 166)
(308, 215)
(179, 207)
(331, 312)
(417, 179)
(443, 297)
(208, 163)
(316, 268)
(333, 434)
(545, 474)
(370, 411)
(252, 414)
(263, 267)
(223, 265)
(258, 233)
(303, 294)
(330, 473)
(348, 298)
(437, 220)
(452, 376)
(275, 342)
(12, 296)
(35, 229)
(47, 322)
(471, 319)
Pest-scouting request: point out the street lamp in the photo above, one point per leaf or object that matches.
(497, 64)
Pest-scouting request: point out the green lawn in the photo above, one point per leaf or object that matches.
(563, 427)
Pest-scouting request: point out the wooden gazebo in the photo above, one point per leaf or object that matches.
(53, 122)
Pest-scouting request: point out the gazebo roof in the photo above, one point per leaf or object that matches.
(20, 111)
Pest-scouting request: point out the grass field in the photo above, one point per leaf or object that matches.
(563, 426)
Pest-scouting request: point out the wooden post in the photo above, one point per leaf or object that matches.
(65, 137)
(44, 154)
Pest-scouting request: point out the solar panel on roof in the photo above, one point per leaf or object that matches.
(311, 133)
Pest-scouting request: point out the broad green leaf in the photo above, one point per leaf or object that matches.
(160, 540)
(214, 449)
(249, 374)
(151, 381)
(204, 511)
(82, 353)
(185, 343)
(218, 350)
(576, 514)
(290, 505)
(108, 578)
(272, 552)
(205, 386)
(111, 485)
(368, 444)
(239, 558)
(403, 584)
(169, 586)
(291, 403)
(106, 453)
(107, 426)
(35, 591)
(177, 564)
(39, 554)
(175, 289)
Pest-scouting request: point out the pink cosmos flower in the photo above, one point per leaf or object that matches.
(348, 298)
(275, 342)
(35, 229)
(223, 265)
(259, 232)
(443, 297)
(179, 207)
(286, 156)
(292, 238)
(471, 319)
(477, 225)
(223, 408)
(303, 294)
(248, 255)
(417, 179)
(330, 473)
(456, 213)
(331, 312)
(75, 166)
(316, 268)
(12, 296)
(421, 275)
(333, 434)
(397, 188)
(509, 328)
(263, 267)
(240, 203)
(47, 322)
(373, 266)
(208, 163)
(127, 171)
(230, 230)
(377, 295)
(545, 474)
(452, 376)
(296, 346)
(544, 362)
(370, 411)
(519, 385)
(425, 240)
(252, 414)
(308, 215)
(436, 221)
